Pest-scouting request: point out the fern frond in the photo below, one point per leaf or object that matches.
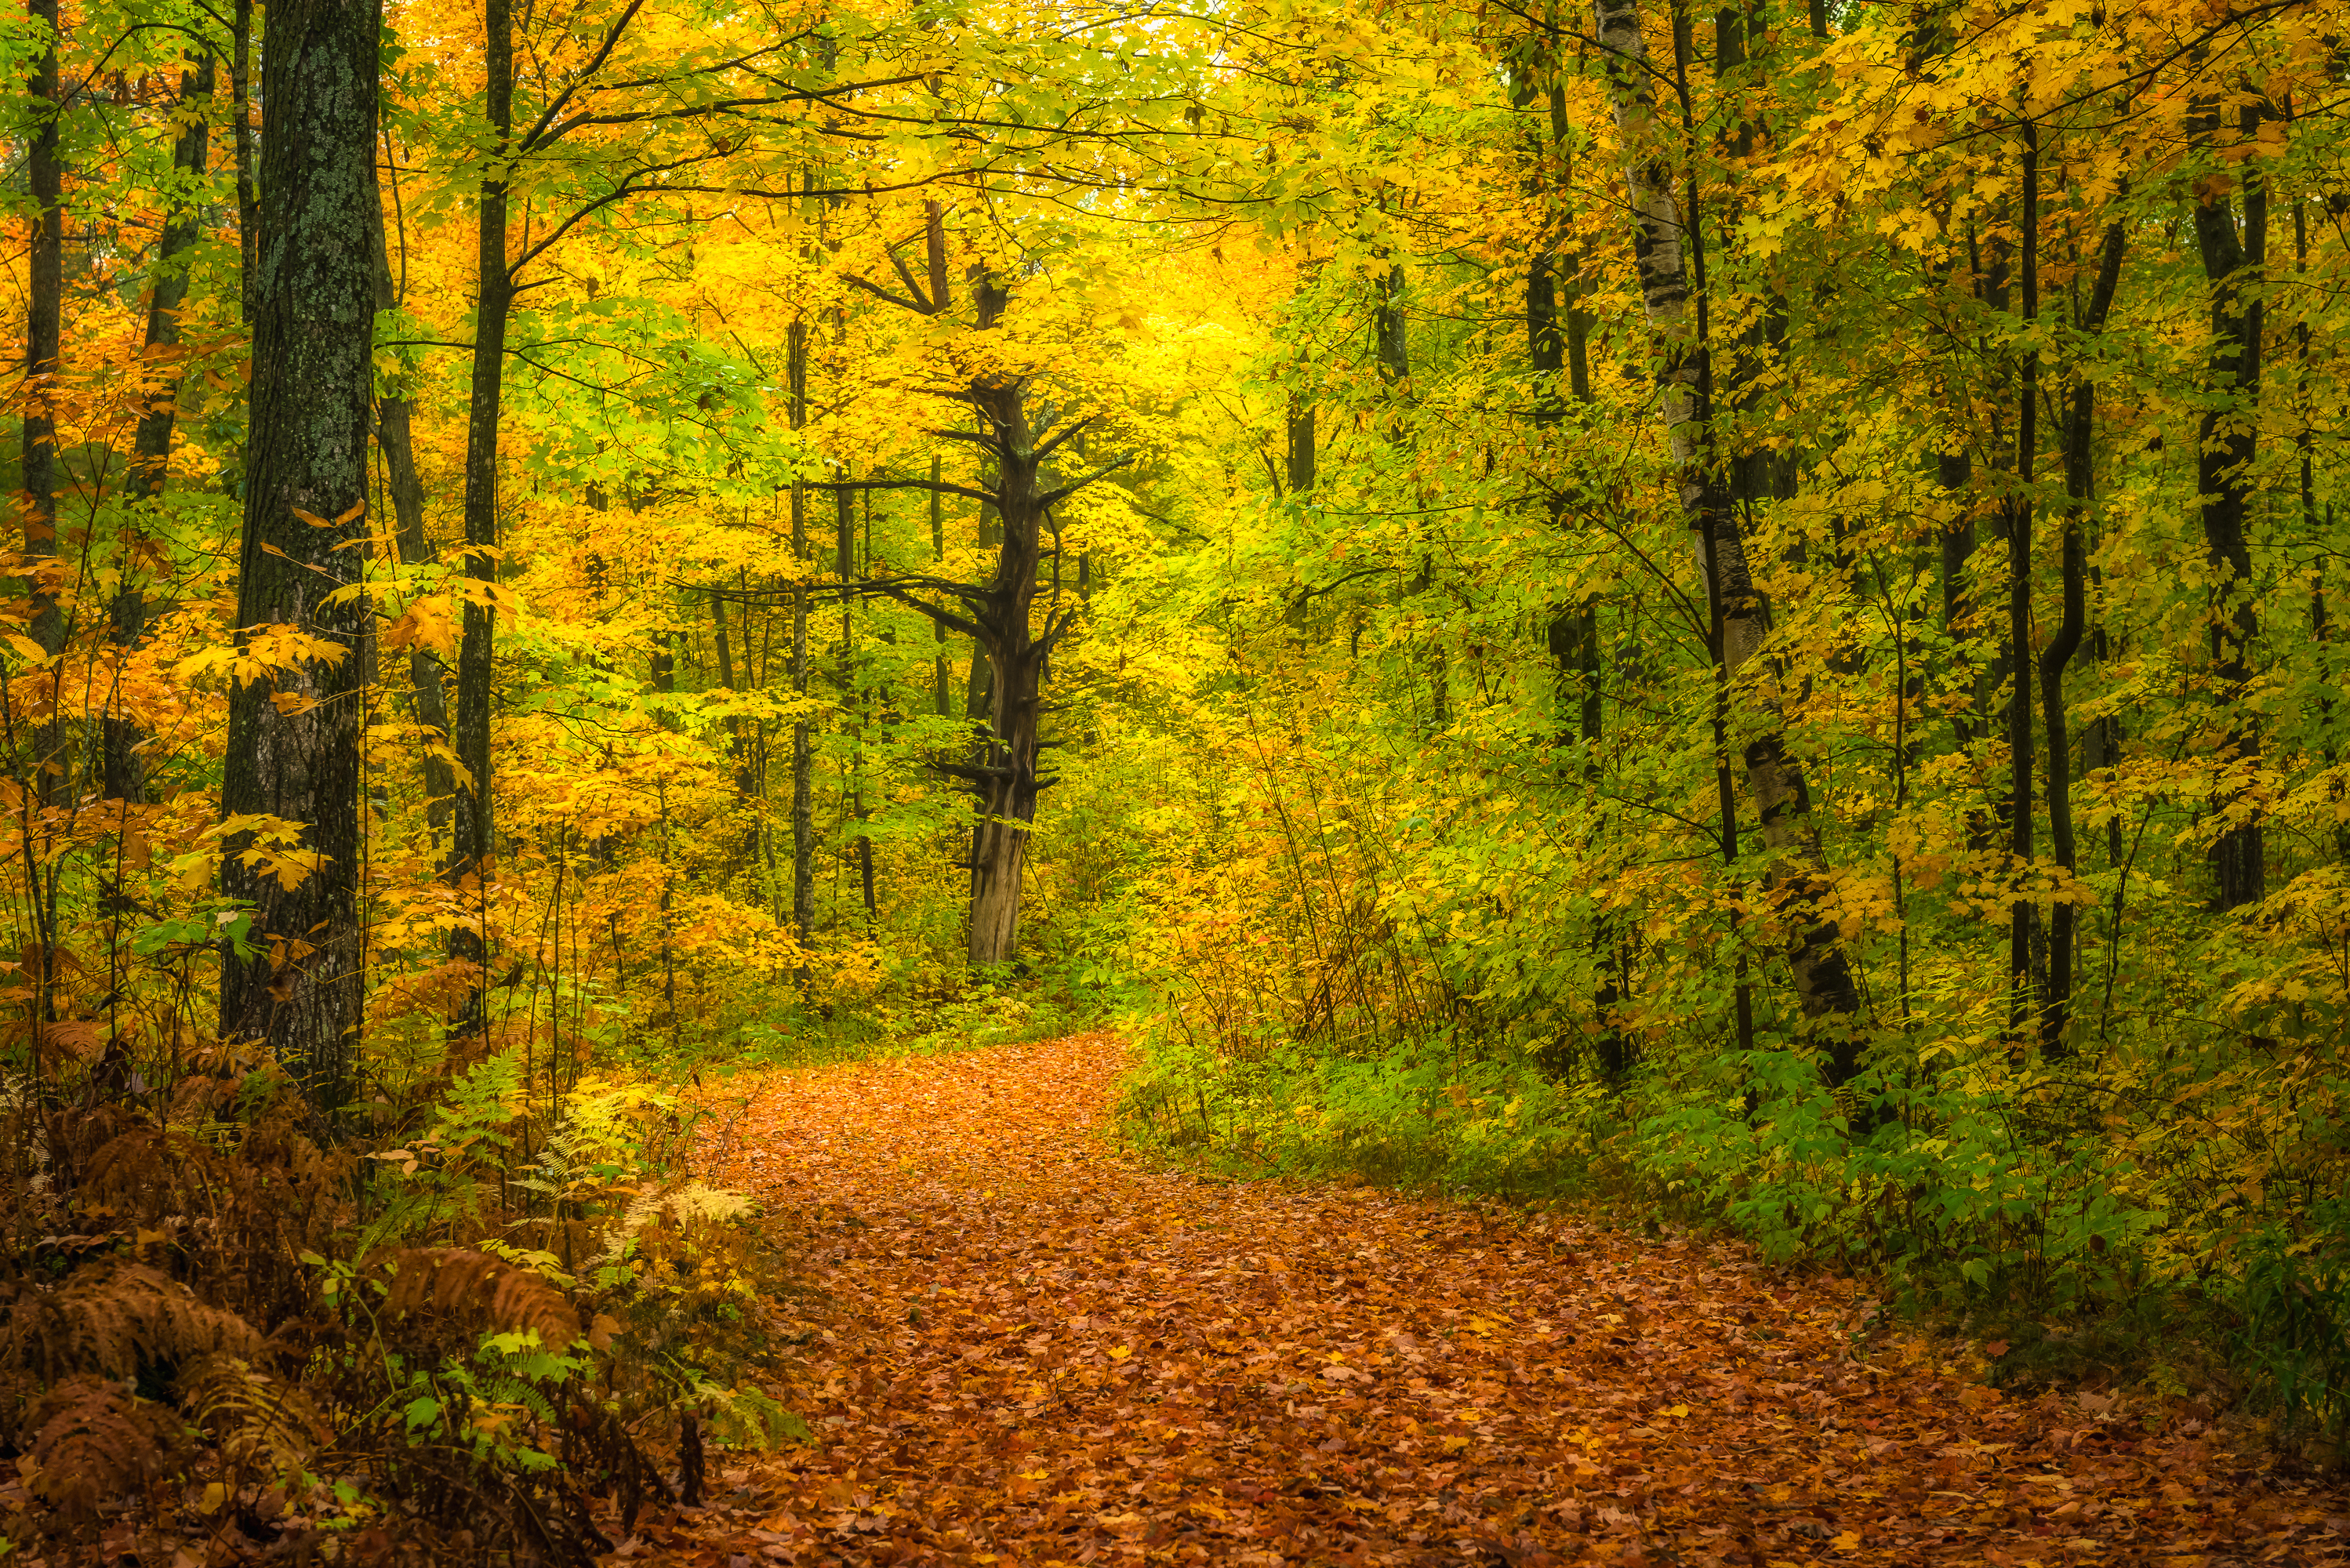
(462, 1282)
(108, 1320)
(94, 1441)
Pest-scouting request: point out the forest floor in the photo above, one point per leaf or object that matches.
(1025, 1349)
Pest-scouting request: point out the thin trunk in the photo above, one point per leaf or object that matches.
(940, 697)
(475, 821)
(293, 740)
(248, 189)
(2079, 486)
(394, 419)
(1954, 473)
(2022, 913)
(1300, 440)
(802, 735)
(44, 303)
(1670, 261)
(1392, 345)
(2320, 623)
(845, 568)
(125, 771)
(1557, 344)
(2226, 445)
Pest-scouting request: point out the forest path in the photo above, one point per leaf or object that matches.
(1027, 1351)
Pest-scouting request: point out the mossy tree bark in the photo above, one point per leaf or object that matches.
(294, 735)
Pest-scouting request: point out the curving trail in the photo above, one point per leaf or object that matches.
(1027, 1352)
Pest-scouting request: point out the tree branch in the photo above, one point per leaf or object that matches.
(1062, 492)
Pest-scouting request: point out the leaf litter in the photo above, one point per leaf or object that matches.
(1017, 1348)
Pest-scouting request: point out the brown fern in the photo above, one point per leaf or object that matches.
(111, 1319)
(475, 1285)
(94, 1441)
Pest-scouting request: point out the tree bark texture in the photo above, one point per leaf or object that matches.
(293, 736)
(1823, 973)
(1004, 778)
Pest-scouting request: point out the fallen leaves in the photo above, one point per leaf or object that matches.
(1022, 1351)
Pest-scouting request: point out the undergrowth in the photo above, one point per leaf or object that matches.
(466, 1332)
(2071, 1256)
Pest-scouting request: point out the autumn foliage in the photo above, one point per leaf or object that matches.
(1733, 611)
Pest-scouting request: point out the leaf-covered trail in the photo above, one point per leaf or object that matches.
(1026, 1350)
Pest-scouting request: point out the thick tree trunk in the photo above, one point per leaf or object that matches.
(1823, 973)
(1004, 779)
(474, 820)
(294, 739)
(2226, 445)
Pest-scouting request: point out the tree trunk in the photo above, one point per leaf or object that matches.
(2063, 918)
(940, 697)
(1557, 347)
(124, 770)
(248, 189)
(1663, 254)
(802, 735)
(294, 739)
(2225, 447)
(2022, 913)
(394, 438)
(1301, 455)
(1005, 778)
(1954, 475)
(43, 301)
(475, 820)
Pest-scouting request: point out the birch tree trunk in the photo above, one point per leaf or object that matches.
(1664, 257)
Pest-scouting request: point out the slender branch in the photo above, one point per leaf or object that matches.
(530, 141)
(936, 488)
(1062, 492)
